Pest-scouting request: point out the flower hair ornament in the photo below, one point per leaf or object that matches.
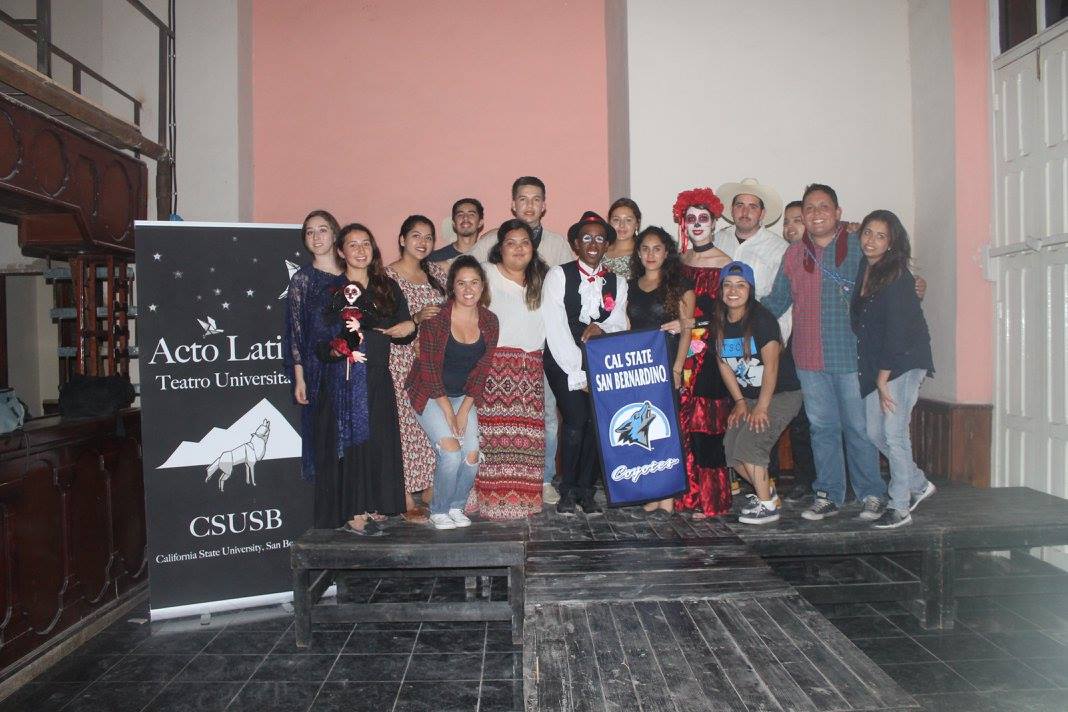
(689, 198)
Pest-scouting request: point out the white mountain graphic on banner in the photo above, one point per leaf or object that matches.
(284, 441)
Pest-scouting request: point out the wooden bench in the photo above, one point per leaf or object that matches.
(958, 520)
(483, 549)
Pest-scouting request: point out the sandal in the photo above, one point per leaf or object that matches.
(416, 515)
(370, 528)
(376, 517)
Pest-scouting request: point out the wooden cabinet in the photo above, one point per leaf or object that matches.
(72, 525)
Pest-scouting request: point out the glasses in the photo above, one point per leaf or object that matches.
(599, 239)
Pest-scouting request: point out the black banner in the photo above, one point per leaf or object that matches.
(221, 433)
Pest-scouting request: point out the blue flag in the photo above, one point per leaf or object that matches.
(637, 420)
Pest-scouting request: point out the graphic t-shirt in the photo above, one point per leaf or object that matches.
(750, 372)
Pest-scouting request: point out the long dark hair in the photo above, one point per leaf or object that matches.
(534, 274)
(895, 260)
(377, 279)
(424, 264)
(670, 289)
(719, 320)
(470, 263)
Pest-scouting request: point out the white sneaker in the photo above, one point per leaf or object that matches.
(442, 521)
(549, 495)
(459, 518)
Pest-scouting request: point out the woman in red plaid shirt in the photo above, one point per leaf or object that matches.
(447, 384)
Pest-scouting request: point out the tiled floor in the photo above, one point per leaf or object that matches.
(1004, 654)
(247, 661)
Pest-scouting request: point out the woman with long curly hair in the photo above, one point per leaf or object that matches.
(660, 297)
(357, 443)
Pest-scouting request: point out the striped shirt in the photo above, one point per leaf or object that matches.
(823, 339)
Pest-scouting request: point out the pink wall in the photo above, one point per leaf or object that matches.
(975, 296)
(376, 110)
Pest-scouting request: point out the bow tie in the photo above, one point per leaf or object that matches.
(592, 276)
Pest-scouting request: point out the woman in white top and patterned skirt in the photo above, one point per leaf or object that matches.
(509, 482)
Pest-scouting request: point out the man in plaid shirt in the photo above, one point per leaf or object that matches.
(816, 278)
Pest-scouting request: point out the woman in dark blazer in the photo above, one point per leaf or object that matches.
(447, 384)
(894, 356)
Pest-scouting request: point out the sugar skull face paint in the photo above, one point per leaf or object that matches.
(352, 293)
(699, 224)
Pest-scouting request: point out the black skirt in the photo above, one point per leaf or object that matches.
(368, 477)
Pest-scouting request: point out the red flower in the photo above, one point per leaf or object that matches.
(609, 302)
(697, 196)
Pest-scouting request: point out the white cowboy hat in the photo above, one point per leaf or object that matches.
(751, 186)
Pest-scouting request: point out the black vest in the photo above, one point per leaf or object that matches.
(573, 302)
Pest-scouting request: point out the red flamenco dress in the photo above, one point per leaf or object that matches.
(704, 404)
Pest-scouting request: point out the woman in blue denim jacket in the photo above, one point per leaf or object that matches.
(893, 355)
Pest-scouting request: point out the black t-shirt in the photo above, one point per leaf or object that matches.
(647, 310)
(750, 374)
(448, 252)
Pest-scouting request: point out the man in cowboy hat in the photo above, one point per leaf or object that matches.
(752, 208)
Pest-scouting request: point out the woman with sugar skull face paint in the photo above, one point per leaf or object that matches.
(703, 399)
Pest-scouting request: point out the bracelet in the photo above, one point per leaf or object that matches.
(739, 400)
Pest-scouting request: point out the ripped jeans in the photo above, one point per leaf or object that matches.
(455, 473)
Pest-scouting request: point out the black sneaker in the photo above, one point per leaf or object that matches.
(589, 505)
(761, 515)
(566, 505)
(821, 508)
(892, 519)
(798, 493)
(917, 497)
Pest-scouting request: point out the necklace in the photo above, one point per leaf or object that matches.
(703, 248)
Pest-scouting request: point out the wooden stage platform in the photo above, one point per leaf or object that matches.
(625, 611)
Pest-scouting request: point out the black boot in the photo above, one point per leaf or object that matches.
(566, 505)
(589, 504)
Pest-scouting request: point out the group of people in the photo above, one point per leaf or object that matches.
(452, 380)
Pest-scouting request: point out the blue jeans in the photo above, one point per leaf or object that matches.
(835, 408)
(552, 425)
(890, 433)
(454, 475)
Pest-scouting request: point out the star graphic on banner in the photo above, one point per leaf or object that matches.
(226, 305)
(268, 307)
(255, 260)
(211, 269)
(250, 292)
(157, 257)
(296, 254)
(234, 238)
(199, 298)
(177, 274)
(152, 307)
(217, 291)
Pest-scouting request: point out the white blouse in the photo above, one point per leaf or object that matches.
(520, 327)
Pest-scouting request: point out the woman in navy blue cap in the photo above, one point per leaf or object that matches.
(759, 374)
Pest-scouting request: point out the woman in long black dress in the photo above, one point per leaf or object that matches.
(307, 297)
(358, 452)
(660, 297)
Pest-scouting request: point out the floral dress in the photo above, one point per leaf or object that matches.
(419, 457)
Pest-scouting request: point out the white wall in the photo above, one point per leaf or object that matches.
(711, 84)
(934, 176)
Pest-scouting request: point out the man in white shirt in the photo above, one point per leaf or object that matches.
(580, 299)
(528, 204)
(753, 207)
